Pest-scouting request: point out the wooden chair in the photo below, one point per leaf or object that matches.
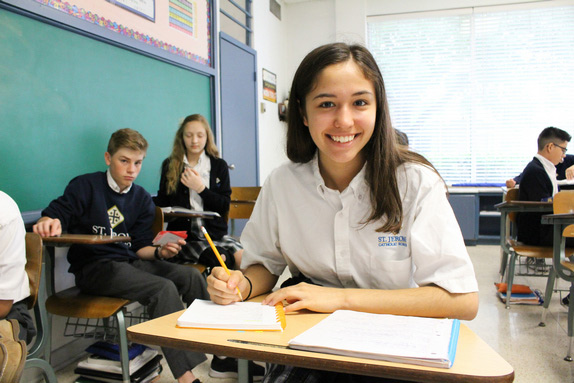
(242, 202)
(518, 249)
(563, 265)
(72, 303)
(38, 356)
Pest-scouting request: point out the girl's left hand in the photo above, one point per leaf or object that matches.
(192, 180)
(307, 296)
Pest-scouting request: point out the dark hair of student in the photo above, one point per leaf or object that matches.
(176, 157)
(552, 134)
(382, 152)
(126, 138)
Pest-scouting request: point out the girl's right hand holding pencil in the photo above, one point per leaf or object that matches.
(222, 288)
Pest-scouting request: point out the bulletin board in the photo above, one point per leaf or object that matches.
(176, 30)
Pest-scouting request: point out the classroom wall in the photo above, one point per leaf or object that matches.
(306, 24)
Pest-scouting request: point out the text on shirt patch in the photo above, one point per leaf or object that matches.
(393, 240)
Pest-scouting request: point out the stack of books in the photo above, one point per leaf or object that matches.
(521, 295)
(103, 364)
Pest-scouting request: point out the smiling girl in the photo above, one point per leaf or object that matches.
(364, 222)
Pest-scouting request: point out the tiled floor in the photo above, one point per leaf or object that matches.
(536, 353)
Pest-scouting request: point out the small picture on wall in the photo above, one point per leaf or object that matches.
(269, 86)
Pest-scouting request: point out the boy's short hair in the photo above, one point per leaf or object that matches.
(552, 134)
(127, 138)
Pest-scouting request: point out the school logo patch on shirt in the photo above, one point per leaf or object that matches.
(115, 216)
(392, 241)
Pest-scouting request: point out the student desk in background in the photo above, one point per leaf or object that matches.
(507, 207)
(171, 216)
(475, 361)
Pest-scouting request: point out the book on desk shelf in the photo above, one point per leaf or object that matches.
(179, 209)
(96, 362)
(427, 342)
(235, 316)
(521, 294)
(145, 374)
(533, 298)
(112, 350)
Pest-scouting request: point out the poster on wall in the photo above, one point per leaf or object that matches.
(175, 30)
(269, 86)
(144, 8)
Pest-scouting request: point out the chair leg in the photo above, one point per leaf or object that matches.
(503, 263)
(123, 343)
(510, 277)
(46, 368)
(568, 357)
(547, 296)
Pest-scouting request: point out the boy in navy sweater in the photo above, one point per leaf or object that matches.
(109, 203)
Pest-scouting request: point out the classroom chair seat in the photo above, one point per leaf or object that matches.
(72, 303)
(518, 249)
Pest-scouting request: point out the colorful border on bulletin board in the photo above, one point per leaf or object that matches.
(114, 26)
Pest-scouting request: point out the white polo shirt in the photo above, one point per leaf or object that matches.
(13, 278)
(300, 223)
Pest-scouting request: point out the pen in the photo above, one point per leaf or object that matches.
(219, 257)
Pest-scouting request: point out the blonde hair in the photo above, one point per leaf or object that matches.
(176, 157)
(127, 138)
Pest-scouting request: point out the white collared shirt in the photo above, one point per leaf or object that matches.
(114, 186)
(13, 278)
(203, 167)
(300, 223)
(550, 170)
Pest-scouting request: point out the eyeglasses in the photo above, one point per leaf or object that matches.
(564, 150)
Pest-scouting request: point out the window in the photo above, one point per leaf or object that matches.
(473, 88)
(236, 19)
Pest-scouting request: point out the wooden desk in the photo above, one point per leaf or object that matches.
(83, 239)
(508, 207)
(475, 361)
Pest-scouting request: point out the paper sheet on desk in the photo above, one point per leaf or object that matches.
(423, 341)
(565, 182)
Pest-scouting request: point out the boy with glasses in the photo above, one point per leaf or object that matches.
(539, 183)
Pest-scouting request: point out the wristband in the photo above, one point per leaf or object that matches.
(156, 254)
(250, 287)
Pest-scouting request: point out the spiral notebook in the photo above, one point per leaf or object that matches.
(235, 316)
(402, 339)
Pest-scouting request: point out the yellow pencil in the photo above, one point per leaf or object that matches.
(219, 257)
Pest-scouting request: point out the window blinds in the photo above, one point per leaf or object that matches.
(472, 89)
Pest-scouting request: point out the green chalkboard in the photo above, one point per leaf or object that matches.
(63, 94)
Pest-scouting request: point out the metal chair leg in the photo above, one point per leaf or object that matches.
(510, 277)
(547, 296)
(123, 343)
(568, 357)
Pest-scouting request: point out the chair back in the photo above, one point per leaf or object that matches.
(33, 266)
(563, 203)
(512, 195)
(157, 225)
(242, 201)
